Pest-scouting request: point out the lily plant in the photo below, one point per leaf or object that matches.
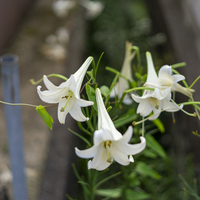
(67, 94)
(158, 96)
(109, 143)
(123, 84)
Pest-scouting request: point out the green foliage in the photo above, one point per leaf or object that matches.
(132, 194)
(128, 117)
(155, 146)
(45, 115)
(146, 170)
(91, 95)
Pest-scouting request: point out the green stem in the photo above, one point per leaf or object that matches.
(83, 129)
(106, 179)
(33, 82)
(18, 104)
(182, 64)
(194, 82)
(116, 72)
(138, 55)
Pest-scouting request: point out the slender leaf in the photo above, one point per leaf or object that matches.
(45, 115)
(145, 170)
(155, 146)
(91, 95)
(129, 117)
(159, 125)
(111, 193)
(136, 195)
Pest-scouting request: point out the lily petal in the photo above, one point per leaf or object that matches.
(127, 135)
(87, 153)
(151, 72)
(131, 149)
(80, 74)
(50, 96)
(99, 162)
(62, 115)
(104, 120)
(77, 114)
(121, 158)
(49, 85)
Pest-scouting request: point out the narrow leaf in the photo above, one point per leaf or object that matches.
(91, 95)
(145, 170)
(136, 195)
(111, 193)
(155, 146)
(159, 125)
(129, 117)
(45, 115)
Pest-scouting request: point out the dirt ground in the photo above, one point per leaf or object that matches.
(35, 59)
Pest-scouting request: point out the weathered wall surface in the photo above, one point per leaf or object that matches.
(11, 12)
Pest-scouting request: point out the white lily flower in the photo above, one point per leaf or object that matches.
(109, 143)
(67, 94)
(155, 101)
(160, 98)
(165, 78)
(123, 84)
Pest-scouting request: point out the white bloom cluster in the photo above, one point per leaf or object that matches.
(158, 97)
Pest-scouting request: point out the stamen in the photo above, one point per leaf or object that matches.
(107, 145)
(68, 97)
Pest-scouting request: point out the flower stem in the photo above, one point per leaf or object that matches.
(194, 82)
(33, 82)
(18, 104)
(138, 55)
(182, 64)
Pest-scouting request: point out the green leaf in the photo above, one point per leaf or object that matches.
(145, 170)
(91, 95)
(112, 193)
(105, 91)
(90, 73)
(149, 153)
(138, 75)
(129, 117)
(70, 197)
(45, 115)
(159, 125)
(136, 195)
(155, 146)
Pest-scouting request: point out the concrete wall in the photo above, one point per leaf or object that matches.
(11, 13)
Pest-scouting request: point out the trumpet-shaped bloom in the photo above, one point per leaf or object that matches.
(159, 98)
(123, 84)
(67, 94)
(165, 78)
(155, 101)
(109, 143)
